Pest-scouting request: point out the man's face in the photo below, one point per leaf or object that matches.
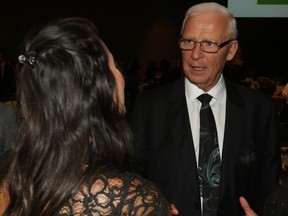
(202, 68)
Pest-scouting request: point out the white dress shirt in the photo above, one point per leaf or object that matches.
(218, 106)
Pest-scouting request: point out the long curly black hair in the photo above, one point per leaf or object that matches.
(66, 92)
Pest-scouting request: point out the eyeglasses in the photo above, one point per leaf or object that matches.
(205, 45)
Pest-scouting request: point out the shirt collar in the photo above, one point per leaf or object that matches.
(218, 91)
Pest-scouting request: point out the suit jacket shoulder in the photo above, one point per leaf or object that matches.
(9, 125)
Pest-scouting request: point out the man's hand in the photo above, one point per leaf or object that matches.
(245, 205)
(172, 210)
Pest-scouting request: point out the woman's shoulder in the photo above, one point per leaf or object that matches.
(4, 197)
(117, 192)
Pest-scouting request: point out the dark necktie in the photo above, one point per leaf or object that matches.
(209, 164)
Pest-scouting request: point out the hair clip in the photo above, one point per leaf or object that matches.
(30, 60)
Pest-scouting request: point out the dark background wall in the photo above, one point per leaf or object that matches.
(147, 30)
(264, 45)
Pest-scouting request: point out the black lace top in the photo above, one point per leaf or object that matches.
(116, 193)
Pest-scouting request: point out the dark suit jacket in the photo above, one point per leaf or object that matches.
(251, 160)
(9, 126)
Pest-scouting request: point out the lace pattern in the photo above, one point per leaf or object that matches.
(116, 193)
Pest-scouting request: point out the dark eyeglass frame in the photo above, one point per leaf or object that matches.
(219, 45)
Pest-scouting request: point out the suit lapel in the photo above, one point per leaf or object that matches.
(181, 132)
(233, 134)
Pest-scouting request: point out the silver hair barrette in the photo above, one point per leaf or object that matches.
(30, 60)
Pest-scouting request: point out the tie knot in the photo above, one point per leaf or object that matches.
(205, 99)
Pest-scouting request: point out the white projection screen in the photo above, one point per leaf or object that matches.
(258, 8)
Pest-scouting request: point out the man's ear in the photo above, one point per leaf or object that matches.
(232, 50)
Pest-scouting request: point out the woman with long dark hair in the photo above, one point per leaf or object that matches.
(75, 143)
